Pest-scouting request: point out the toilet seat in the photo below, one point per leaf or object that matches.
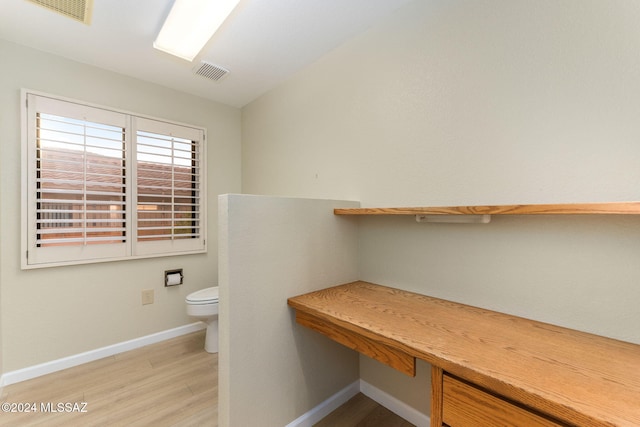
(203, 305)
(203, 296)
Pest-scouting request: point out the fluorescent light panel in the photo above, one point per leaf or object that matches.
(190, 25)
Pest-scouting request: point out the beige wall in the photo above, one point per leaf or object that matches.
(453, 102)
(51, 313)
(1, 351)
(271, 370)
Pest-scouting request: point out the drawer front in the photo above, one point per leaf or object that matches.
(464, 405)
(383, 353)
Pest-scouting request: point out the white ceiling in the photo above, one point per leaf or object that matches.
(262, 44)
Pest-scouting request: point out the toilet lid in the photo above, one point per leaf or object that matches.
(204, 295)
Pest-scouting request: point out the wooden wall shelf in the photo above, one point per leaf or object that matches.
(619, 208)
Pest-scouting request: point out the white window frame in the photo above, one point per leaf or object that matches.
(34, 256)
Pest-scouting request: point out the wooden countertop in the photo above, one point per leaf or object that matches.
(577, 377)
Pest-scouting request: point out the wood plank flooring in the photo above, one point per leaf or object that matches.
(172, 383)
(361, 411)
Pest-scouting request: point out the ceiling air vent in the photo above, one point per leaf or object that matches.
(80, 10)
(210, 71)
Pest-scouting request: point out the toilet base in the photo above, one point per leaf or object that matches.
(211, 338)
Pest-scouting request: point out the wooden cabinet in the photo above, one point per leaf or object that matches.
(465, 405)
(488, 368)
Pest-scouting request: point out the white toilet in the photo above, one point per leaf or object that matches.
(203, 305)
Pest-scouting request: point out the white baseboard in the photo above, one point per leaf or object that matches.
(396, 406)
(30, 372)
(311, 417)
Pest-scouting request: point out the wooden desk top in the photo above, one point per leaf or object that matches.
(581, 378)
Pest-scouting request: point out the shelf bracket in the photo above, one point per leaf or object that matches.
(457, 219)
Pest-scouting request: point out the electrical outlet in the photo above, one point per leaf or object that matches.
(147, 296)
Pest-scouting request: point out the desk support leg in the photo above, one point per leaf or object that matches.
(436, 396)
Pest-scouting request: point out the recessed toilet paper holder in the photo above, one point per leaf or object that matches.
(173, 277)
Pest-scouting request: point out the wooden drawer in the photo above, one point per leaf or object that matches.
(464, 405)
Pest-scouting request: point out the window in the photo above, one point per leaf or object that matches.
(106, 185)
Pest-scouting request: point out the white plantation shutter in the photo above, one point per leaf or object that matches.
(104, 185)
(76, 199)
(80, 181)
(169, 187)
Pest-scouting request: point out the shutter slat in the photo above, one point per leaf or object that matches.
(80, 241)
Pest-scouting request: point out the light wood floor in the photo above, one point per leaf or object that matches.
(173, 383)
(360, 411)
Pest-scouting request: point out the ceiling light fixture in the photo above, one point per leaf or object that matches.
(190, 25)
